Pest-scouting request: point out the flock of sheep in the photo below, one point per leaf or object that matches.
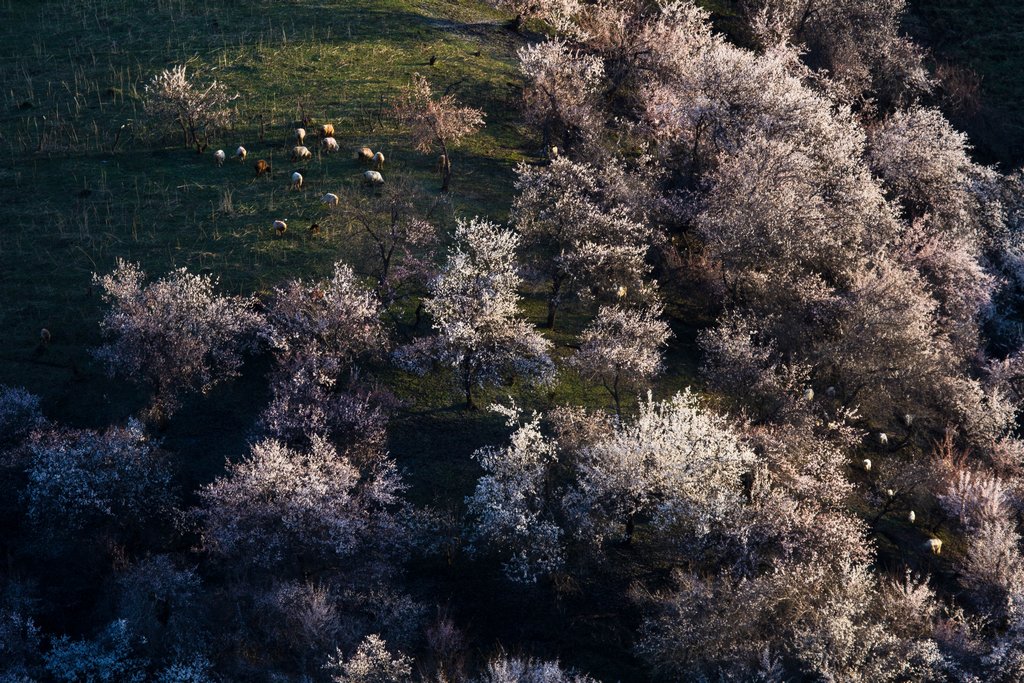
(300, 152)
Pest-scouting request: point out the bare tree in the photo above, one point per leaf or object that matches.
(436, 123)
(400, 241)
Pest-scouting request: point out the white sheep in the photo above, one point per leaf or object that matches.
(911, 517)
(280, 226)
(219, 156)
(240, 153)
(553, 152)
(373, 178)
(867, 464)
(933, 545)
(883, 439)
(378, 160)
(296, 181)
(301, 153)
(890, 493)
(364, 154)
(809, 394)
(300, 136)
(330, 145)
(330, 199)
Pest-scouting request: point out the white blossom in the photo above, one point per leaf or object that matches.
(475, 309)
(174, 334)
(172, 98)
(621, 349)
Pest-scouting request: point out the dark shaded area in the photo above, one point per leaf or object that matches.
(976, 49)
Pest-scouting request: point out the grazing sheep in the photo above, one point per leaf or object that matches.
(364, 155)
(300, 136)
(330, 145)
(262, 166)
(44, 337)
(314, 229)
(809, 394)
(934, 546)
(240, 154)
(866, 464)
(301, 153)
(296, 181)
(373, 178)
(378, 160)
(330, 199)
(280, 227)
(890, 493)
(327, 130)
(218, 157)
(883, 438)
(553, 153)
(911, 517)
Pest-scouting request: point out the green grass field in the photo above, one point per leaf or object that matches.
(73, 72)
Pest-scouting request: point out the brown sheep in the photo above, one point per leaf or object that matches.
(364, 155)
(327, 130)
(262, 166)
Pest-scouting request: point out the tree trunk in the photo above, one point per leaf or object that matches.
(467, 382)
(552, 310)
(556, 290)
(419, 316)
(446, 167)
(184, 132)
(447, 177)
